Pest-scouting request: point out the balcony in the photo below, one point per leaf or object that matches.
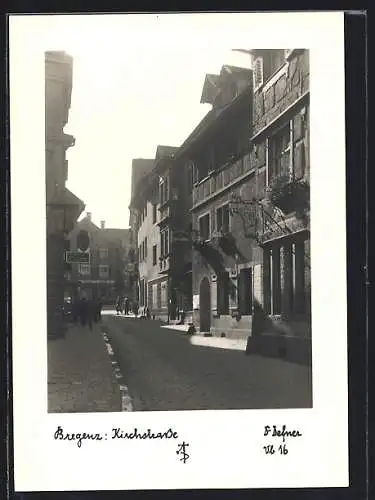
(164, 264)
(165, 212)
(222, 178)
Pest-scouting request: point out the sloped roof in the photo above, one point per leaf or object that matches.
(211, 82)
(211, 117)
(165, 151)
(141, 167)
(236, 69)
(86, 222)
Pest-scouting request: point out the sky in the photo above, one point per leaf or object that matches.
(137, 83)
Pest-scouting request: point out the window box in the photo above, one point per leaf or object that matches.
(290, 195)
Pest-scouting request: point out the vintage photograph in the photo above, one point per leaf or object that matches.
(178, 228)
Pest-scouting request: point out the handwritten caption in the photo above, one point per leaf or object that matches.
(274, 435)
(118, 434)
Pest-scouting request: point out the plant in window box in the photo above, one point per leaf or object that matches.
(289, 195)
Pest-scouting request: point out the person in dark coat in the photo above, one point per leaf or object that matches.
(126, 306)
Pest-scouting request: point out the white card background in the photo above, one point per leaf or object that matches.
(226, 447)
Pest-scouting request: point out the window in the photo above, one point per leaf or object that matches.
(103, 253)
(163, 190)
(233, 90)
(223, 293)
(154, 213)
(154, 254)
(222, 219)
(164, 243)
(279, 160)
(84, 269)
(204, 227)
(145, 242)
(103, 271)
(245, 286)
(164, 295)
(276, 60)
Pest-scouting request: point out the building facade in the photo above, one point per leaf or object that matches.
(251, 272)
(62, 207)
(148, 212)
(105, 276)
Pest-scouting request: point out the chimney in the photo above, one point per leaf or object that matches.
(89, 215)
(102, 224)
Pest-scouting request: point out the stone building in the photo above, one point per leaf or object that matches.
(280, 135)
(104, 276)
(148, 209)
(221, 160)
(62, 207)
(250, 208)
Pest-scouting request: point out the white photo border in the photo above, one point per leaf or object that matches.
(226, 446)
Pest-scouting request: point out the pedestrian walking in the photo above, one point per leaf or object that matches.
(118, 305)
(126, 306)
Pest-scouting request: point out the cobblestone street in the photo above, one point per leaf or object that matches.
(165, 369)
(80, 375)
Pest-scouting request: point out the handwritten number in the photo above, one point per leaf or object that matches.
(283, 449)
(270, 450)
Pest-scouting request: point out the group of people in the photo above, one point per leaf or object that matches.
(87, 311)
(126, 306)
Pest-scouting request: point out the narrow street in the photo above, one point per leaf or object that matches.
(164, 370)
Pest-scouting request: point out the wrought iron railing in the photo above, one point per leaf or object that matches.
(263, 221)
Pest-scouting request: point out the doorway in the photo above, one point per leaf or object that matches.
(205, 305)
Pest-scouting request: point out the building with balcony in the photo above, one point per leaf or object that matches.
(149, 222)
(250, 206)
(62, 207)
(105, 276)
(281, 128)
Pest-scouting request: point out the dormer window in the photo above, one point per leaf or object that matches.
(234, 90)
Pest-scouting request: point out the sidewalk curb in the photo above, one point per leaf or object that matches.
(126, 400)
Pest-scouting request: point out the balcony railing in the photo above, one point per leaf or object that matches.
(221, 178)
(164, 212)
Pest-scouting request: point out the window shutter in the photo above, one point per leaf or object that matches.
(258, 72)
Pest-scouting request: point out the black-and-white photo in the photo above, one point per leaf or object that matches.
(183, 294)
(178, 254)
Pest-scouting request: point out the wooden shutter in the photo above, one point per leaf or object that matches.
(258, 72)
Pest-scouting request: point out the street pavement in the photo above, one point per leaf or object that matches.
(165, 369)
(80, 375)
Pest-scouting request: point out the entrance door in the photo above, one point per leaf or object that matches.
(205, 305)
